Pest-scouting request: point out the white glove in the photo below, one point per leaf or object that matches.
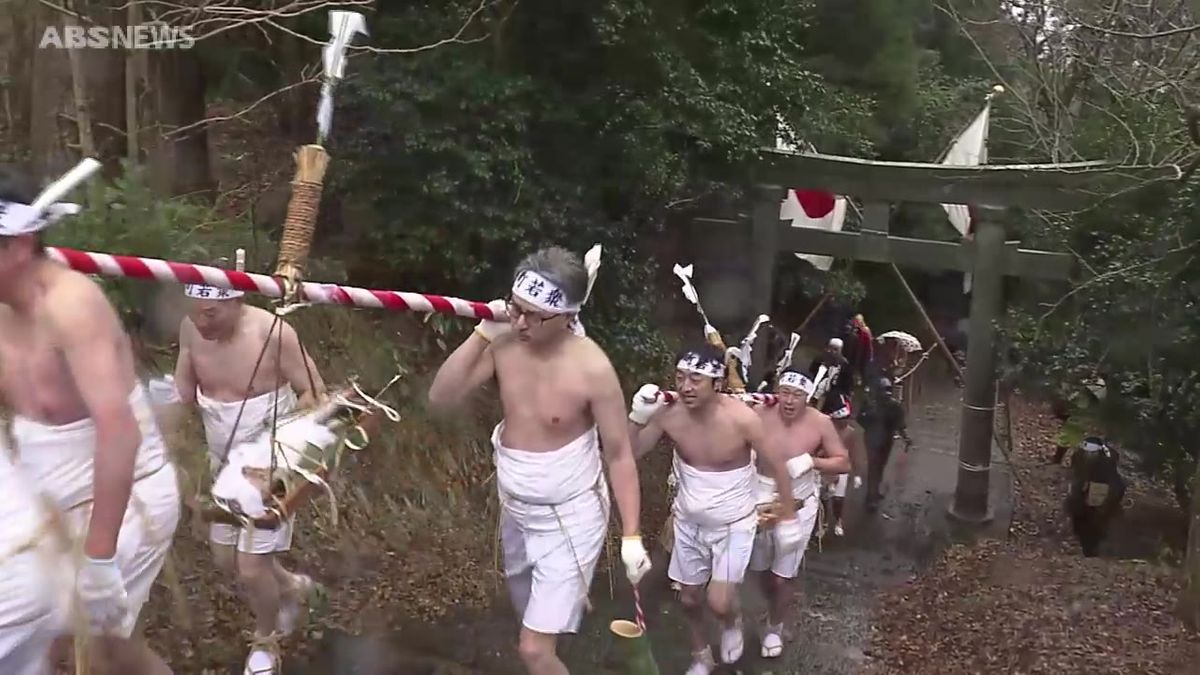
(637, 561)
(102, 595)
(490, 330)
(800, 465)
(646, 401)
(788, 534)
(857, 482)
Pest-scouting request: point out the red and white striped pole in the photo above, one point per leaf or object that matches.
(751, 398)
(166, 271)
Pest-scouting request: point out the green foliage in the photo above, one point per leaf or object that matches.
(572, 125)
(125, 217)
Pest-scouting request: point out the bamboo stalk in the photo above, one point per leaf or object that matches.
(635, 648)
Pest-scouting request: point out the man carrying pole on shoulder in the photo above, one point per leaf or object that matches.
(715, 512)
(802, 436)
(244, 368)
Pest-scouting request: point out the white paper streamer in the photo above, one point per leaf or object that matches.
(591, 260)
(16, 219)
(689, 292)
(819, 385)
(343, 26)
(746, 350)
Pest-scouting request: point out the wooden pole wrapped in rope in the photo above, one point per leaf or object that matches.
(301, 222)
(312, 160)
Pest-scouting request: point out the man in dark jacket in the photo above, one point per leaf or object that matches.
(1097, 489)
(883, 420)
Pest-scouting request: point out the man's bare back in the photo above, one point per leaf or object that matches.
(223, 368)
(716, 440)
(547, 395)
(35, 378)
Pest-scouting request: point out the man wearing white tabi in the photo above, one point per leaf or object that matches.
(244, 370)
(715, 512)
(564, 418)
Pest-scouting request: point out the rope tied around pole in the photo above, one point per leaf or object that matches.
(300, 225)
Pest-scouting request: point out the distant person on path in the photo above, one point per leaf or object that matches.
(715, 511)
(1097, 489)
(852, 439)
(860, 347)
(883, 420)
(803, 437)
(562, 404)
(838, 380)
(243, 372)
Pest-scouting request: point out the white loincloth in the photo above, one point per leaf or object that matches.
(553, 521)
(31, 569)
(60, 461)
(220, 423)
(221, 419)
(715, 520)
(766, 554)
(836, 487)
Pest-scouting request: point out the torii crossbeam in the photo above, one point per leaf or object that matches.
(989, 257)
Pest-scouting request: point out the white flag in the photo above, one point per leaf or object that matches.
(969, 149)
(810, 208)
(815, 209)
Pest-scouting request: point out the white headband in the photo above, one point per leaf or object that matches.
(202, 292)
(796, 380)
(836, 342)
(1089, 446)
(17, 218)
(693, 362)
(542, 293)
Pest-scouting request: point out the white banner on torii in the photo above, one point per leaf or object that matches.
(811, 208)
(969, 149)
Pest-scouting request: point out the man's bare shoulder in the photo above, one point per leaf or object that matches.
(739, 411)
(73, 298)
(591, 356)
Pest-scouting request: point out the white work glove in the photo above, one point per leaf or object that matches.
(635, 557)
(646, 401)
(102, 594)
(788, 534)
(800, 465)
(857, 482)
(490, 330)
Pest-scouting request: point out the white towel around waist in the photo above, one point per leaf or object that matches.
(548, 478)
(713, 498)
(221, 418)
(21, 511)
(60, 459)
(802, 488)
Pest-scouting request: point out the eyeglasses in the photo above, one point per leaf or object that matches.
(533, 319)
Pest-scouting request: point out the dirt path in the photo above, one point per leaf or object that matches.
(830, 631)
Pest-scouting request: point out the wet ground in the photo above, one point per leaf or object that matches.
(829, 630)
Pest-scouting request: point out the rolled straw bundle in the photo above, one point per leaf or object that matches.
(301, 221)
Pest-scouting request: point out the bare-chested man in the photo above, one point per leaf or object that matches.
(220, 342)
(85, 435)
(835, 488)
(807, 440)
(715, 515)
(562, 403)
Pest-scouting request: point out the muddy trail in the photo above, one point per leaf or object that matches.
(831, 619)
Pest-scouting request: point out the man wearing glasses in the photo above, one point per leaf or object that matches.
(562, 402)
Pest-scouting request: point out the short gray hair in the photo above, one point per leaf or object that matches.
(561, 268)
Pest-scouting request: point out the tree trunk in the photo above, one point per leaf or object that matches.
(1189, 602)
(49, 98)
(180, 161)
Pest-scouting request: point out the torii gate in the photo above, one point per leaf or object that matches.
(988, 257)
